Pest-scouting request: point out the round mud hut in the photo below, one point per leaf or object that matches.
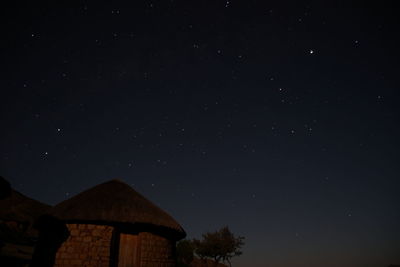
(112, 225)
(18, 237)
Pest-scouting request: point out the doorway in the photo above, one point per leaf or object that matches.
(128, 255)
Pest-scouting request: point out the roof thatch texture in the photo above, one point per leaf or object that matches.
(114, 202)
(20, 208)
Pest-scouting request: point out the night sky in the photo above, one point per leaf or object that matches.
(279, 120)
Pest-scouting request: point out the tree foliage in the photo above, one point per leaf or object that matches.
(220, 246)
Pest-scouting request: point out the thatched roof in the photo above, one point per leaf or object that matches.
(16, 207)
(114, 202)
(20, 208)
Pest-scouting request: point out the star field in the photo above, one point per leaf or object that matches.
(279, 120)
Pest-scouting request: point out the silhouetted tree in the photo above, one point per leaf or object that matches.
(184, 252)
(221, 246)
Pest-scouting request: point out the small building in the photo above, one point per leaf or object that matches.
(17, 234)
(112, 225)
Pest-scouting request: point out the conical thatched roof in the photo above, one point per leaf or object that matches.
(20, 208)
(114, 202)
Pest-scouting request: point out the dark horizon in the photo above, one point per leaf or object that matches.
(279, 120)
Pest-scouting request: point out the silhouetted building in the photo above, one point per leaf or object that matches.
(17, 234)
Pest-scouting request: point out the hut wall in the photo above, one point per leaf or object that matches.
(156, 251)
(88, 245)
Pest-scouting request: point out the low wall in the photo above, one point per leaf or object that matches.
(205, 263)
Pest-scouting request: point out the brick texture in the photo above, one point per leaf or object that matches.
(87, 246)
(156, 251)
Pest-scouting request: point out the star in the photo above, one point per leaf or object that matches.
(311, 52)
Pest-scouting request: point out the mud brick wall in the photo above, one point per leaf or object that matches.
(156, 251)
(87, 246)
